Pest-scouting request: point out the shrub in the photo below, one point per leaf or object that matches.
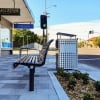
(77, 75)
(67, 75)
(60, 71)
(85, 78)
(88, 96)
(97, 86)
(72, 83)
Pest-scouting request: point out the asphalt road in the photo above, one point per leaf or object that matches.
(92, 60)
(89, 56)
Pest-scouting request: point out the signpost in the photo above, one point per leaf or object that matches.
(24, 26)
(10, 11)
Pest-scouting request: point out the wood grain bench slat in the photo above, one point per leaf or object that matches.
(27, 59)
(32, 61)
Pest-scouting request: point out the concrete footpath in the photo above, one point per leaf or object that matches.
(14, 83)
(93, 72)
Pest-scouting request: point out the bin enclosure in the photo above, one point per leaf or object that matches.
(67, 56)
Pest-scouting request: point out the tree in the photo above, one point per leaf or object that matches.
(81, 44)
(18, 34)
(96, 42)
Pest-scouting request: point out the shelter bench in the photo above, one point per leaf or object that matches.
(32, 61)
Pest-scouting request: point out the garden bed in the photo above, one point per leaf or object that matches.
(79, 86)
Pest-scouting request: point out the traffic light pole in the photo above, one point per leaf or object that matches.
(43, 37)
(43, 24)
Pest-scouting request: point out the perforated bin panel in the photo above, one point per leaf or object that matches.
(67, 57)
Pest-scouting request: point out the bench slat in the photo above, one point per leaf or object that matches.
(27, 59)
(23, 59)
(32, 61)
(34, 58)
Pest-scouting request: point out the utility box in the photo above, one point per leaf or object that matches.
(67, 56)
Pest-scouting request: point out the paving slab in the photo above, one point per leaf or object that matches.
(93, 72)
(14, 83)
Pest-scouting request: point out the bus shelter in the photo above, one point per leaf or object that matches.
(12, 12)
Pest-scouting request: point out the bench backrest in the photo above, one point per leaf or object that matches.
(43, 53)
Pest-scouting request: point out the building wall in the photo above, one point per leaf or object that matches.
(6, 25)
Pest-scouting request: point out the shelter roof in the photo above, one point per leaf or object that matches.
(25, 13)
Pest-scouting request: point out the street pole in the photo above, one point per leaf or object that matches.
(47, 22)
(23, 40)
(45, 30)
(0, 39)
(46, 13)
(27, 40)
(43, 37)
(45, 6)
(90, 32)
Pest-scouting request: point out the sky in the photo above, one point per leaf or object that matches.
(66, 11)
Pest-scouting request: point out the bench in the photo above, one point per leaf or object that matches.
(32, 61)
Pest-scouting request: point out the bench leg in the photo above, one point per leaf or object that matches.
(31, 78)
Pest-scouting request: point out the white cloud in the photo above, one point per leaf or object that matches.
(81, 29)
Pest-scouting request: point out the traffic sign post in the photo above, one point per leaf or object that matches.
(24, 26)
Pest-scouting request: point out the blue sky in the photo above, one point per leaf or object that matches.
(66, 11)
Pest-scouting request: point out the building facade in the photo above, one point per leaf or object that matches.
(7, 22)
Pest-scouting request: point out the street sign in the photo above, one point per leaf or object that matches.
(10, 11)
(24, 26)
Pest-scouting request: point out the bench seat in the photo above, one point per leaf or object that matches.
(32, 61)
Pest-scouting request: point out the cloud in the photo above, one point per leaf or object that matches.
(81, 29)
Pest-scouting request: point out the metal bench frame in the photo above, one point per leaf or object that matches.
(32, 61)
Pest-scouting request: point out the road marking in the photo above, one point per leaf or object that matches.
(90, 59)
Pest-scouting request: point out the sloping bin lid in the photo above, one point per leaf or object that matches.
(66, 34)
